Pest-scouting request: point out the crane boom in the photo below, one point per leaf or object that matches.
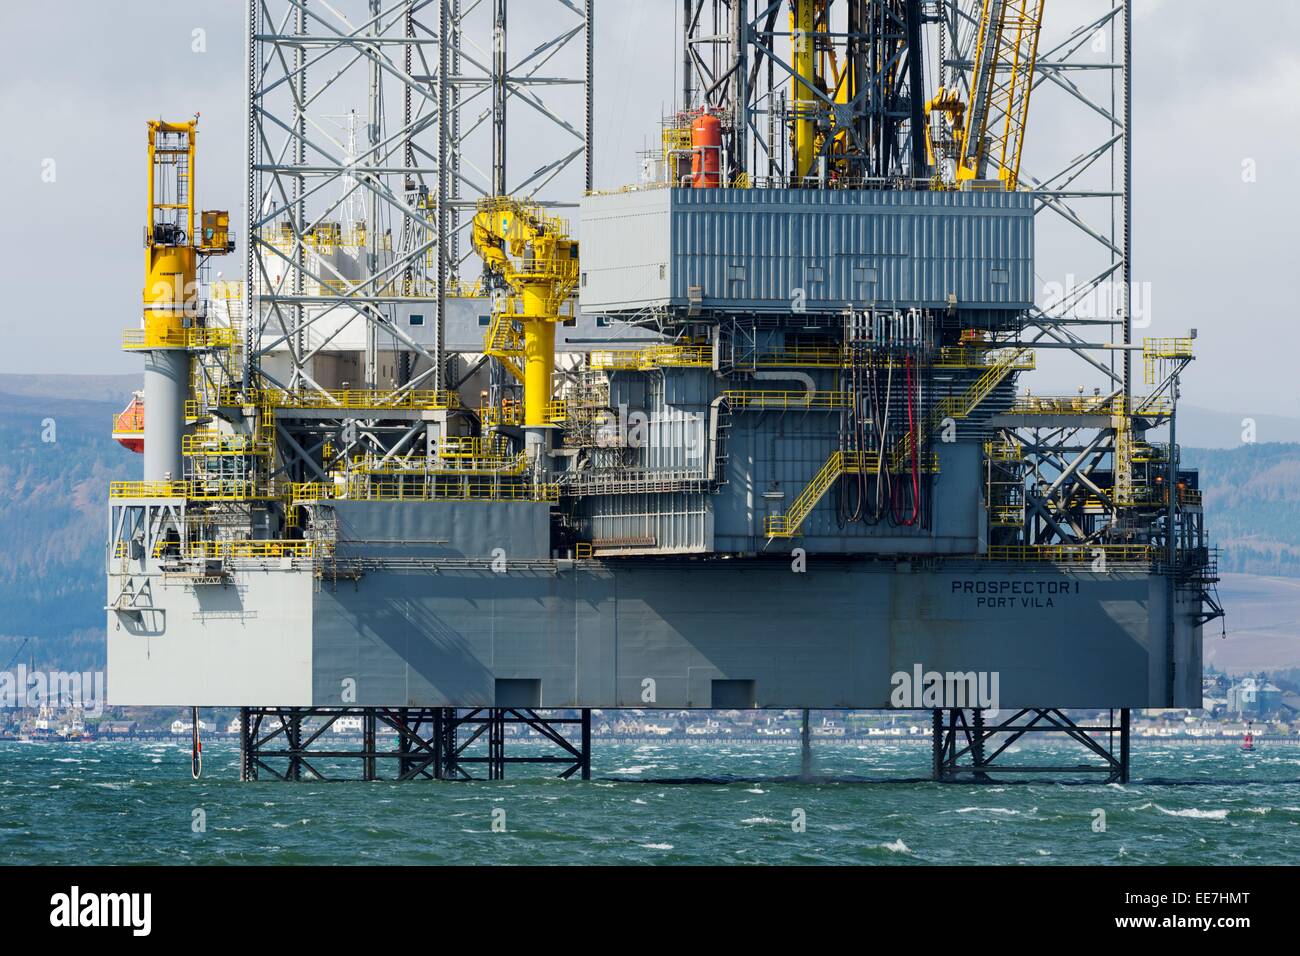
(1006, 53)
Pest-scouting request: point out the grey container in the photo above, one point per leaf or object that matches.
(754, 249)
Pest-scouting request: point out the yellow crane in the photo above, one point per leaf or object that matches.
(992, 130)
(532, 254)
(176, 238)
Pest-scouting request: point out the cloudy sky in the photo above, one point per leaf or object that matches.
(1212, 92)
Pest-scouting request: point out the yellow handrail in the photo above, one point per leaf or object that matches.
(1087, 405)
(277, 548)
(354, 398)
(196, 338)
(148, 489)
(759, 398)
(1071, 553)
(675, 356)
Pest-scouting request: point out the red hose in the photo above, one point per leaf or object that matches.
(915, 455)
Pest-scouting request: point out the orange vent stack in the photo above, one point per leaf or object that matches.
(706, 156)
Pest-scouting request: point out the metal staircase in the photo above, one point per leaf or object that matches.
(505, 343)
(1004, 363)
(840, 463)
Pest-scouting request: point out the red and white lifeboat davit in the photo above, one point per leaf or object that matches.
(128, 426)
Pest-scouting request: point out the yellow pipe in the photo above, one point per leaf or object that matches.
(802, 27)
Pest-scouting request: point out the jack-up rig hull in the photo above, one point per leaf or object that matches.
(760, 443)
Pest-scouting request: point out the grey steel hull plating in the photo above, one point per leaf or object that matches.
(666, 634)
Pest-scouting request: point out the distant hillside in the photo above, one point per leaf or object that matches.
(116, 389)
(1260, 629)
(1252, 505)
(1211, 428)
(53, 525)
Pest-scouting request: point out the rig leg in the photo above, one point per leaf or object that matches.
(368, 736)
(247, 768)
(979, 760)
(586, 743)
(444, 736)
(497, 745)
(1123, 745)
(293, 732)
(404, 762)
(936, 746)
(805, 747)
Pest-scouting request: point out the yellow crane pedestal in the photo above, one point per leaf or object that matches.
(531, 253)
(539, 368)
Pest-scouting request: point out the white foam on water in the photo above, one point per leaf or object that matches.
(1193, 813)
(656, 846)
(1003, 810)
(898, 846)
(754, 820)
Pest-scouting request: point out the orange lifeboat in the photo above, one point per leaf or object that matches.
(128, 425)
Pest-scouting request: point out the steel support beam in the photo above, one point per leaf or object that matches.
(967, 749)
(307, 743)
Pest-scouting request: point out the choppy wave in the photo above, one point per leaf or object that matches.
(666, 803)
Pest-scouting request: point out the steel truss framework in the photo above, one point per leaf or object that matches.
(1079, 469)
(431, 743)
(967, 750)
(735, 62)
(426, 157)
(1086, 199)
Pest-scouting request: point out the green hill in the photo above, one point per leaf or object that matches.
(1252, 505)
(53, 525)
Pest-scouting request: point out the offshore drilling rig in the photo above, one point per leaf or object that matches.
(750, 436)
